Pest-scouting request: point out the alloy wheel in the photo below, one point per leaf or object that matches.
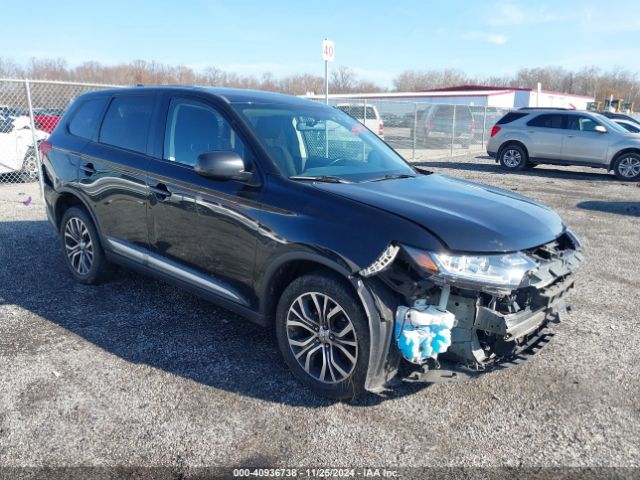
(512, 158)
(629, 167)
(322, 338)
(78, 245)
(30, 167)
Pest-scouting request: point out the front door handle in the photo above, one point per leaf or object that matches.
(161, 191)
(88, 169)
(570, 136)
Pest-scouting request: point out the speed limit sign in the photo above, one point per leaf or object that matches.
(328, 50)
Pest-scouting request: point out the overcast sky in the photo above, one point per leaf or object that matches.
(378, 39)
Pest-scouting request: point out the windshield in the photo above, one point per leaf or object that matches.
(607, 122)
(319, 141)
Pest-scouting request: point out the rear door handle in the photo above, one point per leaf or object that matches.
(161, 191)
(570, 136)
(88, 169)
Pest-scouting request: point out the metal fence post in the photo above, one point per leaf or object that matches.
(484, 126)
(453, 129)
(415, 130)
(33, 136)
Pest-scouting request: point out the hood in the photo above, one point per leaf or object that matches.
(465, 216)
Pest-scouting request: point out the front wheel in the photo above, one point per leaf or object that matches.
(627, 167)
(513, 157)
(323, 335)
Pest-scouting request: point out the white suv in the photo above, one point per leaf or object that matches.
(526, 137)
(17, 153)
(367, 115)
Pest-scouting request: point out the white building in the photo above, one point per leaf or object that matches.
(475, 95)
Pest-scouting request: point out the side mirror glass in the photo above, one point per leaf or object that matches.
(222, 166)
(600, 129)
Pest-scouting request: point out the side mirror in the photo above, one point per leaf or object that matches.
(222, 166)
(599, 129)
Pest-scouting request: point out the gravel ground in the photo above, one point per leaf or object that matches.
(137, 373)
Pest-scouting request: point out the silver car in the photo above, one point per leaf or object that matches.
(527, 137)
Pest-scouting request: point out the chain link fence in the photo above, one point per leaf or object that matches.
(29, 111)
(423, 131)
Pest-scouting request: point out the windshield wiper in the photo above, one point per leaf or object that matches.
(392, 176)
(320, 178)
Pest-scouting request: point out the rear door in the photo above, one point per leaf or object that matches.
(112, 171)
(582, 143)
(546, 134)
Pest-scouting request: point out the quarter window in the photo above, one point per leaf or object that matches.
(87, 117)
(127, 121)
(547, 121)
(194, 128)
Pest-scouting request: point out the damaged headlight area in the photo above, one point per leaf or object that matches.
(503, 272)
(456, 315)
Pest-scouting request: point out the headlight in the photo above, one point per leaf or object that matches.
(504, 271)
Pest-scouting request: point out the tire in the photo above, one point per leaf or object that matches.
(82, 249)
(513, 158)
(30, 166)
(329, 367)
(627, 167)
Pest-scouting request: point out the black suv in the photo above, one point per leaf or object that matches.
(294, 215)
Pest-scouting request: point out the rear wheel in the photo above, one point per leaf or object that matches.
(627, 167)
(323, 335)
(83, 251)
(513, 157)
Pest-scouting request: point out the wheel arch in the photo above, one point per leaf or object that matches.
(67, 199)
(622, 152)
(510, 143)
(286, 269)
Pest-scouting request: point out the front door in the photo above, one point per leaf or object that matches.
(582, 143)
(202, 231)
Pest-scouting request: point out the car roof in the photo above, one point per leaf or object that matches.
(229, 95)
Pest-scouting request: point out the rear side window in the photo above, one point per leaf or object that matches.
(547, 121)
(511, 117)
(87, 118)
(126, 123)
(357, 111)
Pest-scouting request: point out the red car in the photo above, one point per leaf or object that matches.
(46, 119)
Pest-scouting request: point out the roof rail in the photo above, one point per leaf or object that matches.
(544, 108)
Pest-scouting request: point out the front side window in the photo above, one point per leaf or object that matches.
(87, 117)
(321, 141)
(582, 123)
(547, 121)
(194, 128)
(126, 123)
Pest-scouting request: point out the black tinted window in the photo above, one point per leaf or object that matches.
(511, 117)
(87, 118)
(357, 111)
(194, 128)
(547, 121)
(126, 123)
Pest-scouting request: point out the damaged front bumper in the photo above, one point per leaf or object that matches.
(491, 331)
